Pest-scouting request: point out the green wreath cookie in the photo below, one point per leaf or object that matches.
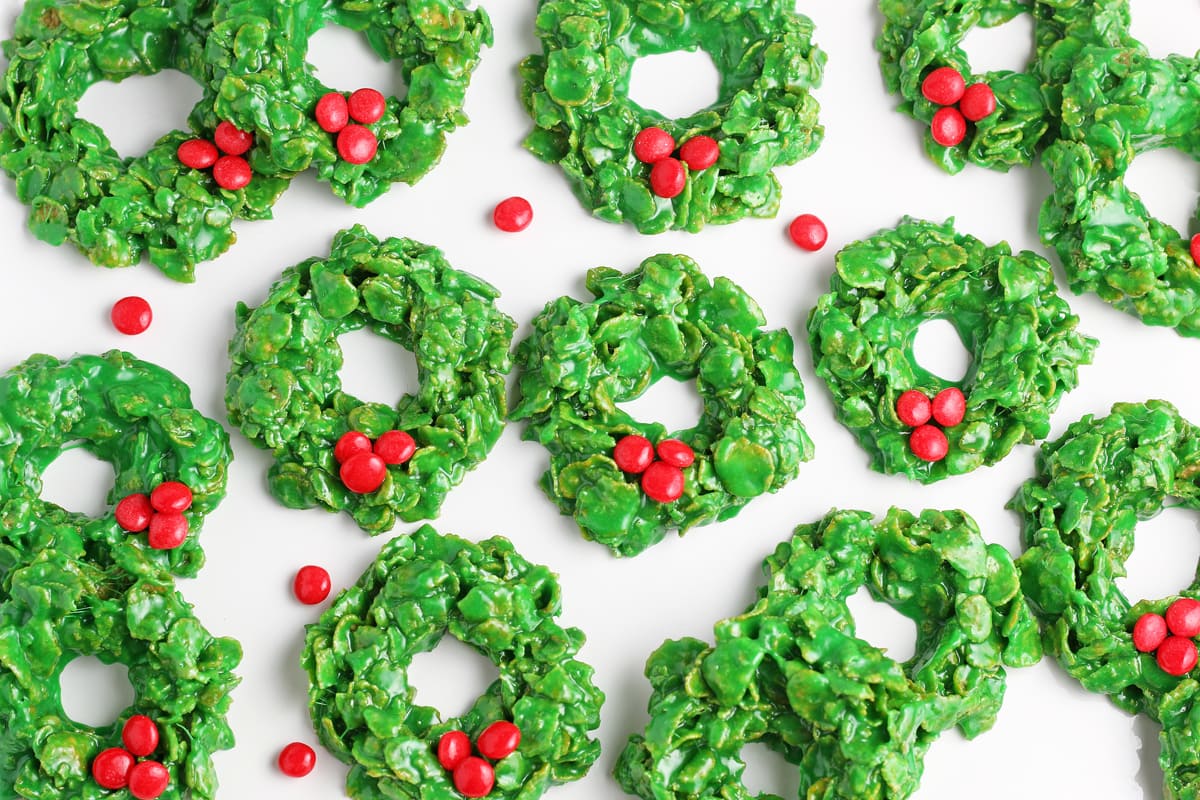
(57, 608)
(258, 50)
(1079, 517)
(78, 188)
(577, 92)
(1025, 351)
(284, 393)
(663, 320)
(791, 673)
(487, 596)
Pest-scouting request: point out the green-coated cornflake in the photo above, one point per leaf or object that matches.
(78, 188)
(577, 93)
(487, 596)
(791, 673)
(663, 319)
(1079, 513)
(258, 51)
(1025, 351)
(284, 392)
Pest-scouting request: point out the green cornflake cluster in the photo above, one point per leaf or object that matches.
(1025, 351)
(284, 392)
(1079, 514)
(577, 92)
(790, 672)
(78, 188)
(264, 84)
(488, 597)
(664, 319)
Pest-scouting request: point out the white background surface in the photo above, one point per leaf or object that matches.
(1052, 738)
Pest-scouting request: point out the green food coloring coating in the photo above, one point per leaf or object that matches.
(577, 93)
(1025, 351)
(284, 393)
(791, 673)
(487, 596)
(665, 319)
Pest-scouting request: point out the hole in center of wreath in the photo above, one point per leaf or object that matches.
(675, 84)
(883, 626)
(78, 481)
(1165, 27)
(768, 775)
(1164, 558)
(139, 110)
(676, 405)
(1166, 180)
(95, 693)
(938, 348)
(375, 369)
(1008, 46)
(450, 677)
(344, 60)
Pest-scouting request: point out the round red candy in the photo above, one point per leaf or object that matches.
(948, 127)
(133, 513)
(633, 454)
(653, 144)
(140, 735)
(297, 760)
(1149, 632)
(663, 482)
(351, 443)
(311, 585)
(928, 443)
(332, 113)
(700, 152)
(676, 453)
(474, 777)
(498, 740)
(512, 214)
(1194, 248)
(913, 408)
(366, 106)
(949, 407)
(148, 780)
(808, 232)
(131, 315)
(171, 496)
(231, 140)
(232, 173)
(395, 447)
(357, 144)
(667, 177)
(168, 530)
(197, 153)
(978, 101)
(111, 768)
(944, 86)
(1176, 655)
(363, 473)
(1183, 617)
(453, 748)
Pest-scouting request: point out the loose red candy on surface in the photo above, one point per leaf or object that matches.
(232, 173)
(332, 112)
(948, 127)
(231, 140)
(297, 760)
(699, 152)
(1183, 617)
(140, 735)
(311, 584)
(676, 453)
(928, 443)
(949, 407)
(168, 530)
(978, 101)
(1149, 632)
(366, 106)
(944, 86)
(663, 482)
(498, 740)
(356, 144)
(395, 447)
(1194, 247)
(171, 496)
(633, 454)
(1176, 655)
(913, 408)
(133, 513)
(512, 214)
(148, 780)
(808, 232)
(351, 443)
(197, 153)
(131, 315)
(453, 748)
(653, 144)
(667, 177)
(363, 473)
(474, 777)
(111, 768)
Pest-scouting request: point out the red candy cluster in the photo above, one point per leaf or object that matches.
(364, 464)
(946, 87)
(118, 767)
(1170, 637)
(662, 480)
(654, 146)
(927, 441)
(475, 776)
(161, 513)
(230, 171)
(355, 143)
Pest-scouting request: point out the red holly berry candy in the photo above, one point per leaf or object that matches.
(232, 173)
(131, 315)
(133, 513)
(1149, 632)
(333, 112)
(453, 748)
(700, 152)
(633, 454)
(474, 777)
(498, 740)
(663, 482)
(913, 408)
(171, 496)
(311, 585)
(367, 106)
(351, 443)
(949, 407)
(676, 453)
(140, 735)
(1183, 617)
(363, 473)
(978, 101)
(653, 144)
(513, 214)
(297, 760)
(111, 768)
(1176, 655)
(357, 144)
(667, 177)
(395, 447)
(1194, 247)
(808, 232)
(168, 530)
(197, 153)
(944, 86)
(948, 127)
(928, 443)
(148, 780)
(231, 141)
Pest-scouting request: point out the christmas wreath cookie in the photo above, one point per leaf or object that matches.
(375, 461)
(1079, 517)
(577, 92)
(627, 482)
(361, 143)
(1025, 351)
(531, 727)
(791, 673)
(78, 188)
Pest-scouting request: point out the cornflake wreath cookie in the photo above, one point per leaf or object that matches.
(284, 393)
(665, 319)
(1079, 513)
(1025, 351)
(78, 188)
(791, 673)
(259, 48)
(577, 92)
(487, 596)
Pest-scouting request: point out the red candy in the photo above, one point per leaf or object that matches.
(944, 86)
(366, 106)
(111, 768)
(140, 735)
(133, 513)
(356, 144)
(633, 454)
(311, 585)
(913, 408)
(928, 443)
(1176, 655)
(498, 740)
(676, 453)
(363, 473)
(395, 447)
(148, 780)
(700, 152)
(232, 172)
(297, 760)
(351, 443)
(512, 214)
(948, 127)
(1194, 247)
(131, 315)
(667, 177)
(197, 153)
(332, 113)
(653, 144)
(474, 777)
(808, 232)
(662, 482)
(171, 496)
(232, 141)
(949, 407)
(168, 530)
(453, 748)
(1183, 617)
(1149, 632)
(978, 101)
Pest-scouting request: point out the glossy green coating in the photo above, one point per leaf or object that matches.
(136, 416)
(1025, 351)
(791, 673)
(1121, 103)
(1093, 485)
(264, 83)
(664, 319)
(283, 389)
(577, 93)
(57, 608)
(487, 596)
(78, 188)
